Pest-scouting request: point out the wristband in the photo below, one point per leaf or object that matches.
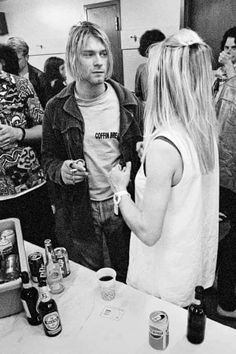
(23, 134)
(117, 199)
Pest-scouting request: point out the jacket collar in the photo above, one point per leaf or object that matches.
(125, 97)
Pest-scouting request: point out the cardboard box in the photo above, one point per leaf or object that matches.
(10, 302)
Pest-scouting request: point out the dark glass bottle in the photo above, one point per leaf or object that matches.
(48, 310)
(29, 298)
(196, 318)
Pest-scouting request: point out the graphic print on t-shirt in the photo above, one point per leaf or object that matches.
(101, 140)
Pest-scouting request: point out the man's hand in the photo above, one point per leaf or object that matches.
(225, 59)
(9, 135)
(72, 173)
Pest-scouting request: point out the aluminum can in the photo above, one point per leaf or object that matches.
(158, 330)
(35, 260)
(5, 247)
(9, 234)
(12, 267)
(63, 260)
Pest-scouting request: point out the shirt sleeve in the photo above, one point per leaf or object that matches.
(33, 109)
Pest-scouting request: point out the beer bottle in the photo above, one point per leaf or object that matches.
(48, 310)
(53, 269)
(196, 318)
(29, 298)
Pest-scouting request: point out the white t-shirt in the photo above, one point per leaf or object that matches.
(185, 255)
(101, 145)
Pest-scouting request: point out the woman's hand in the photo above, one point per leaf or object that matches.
(225, 59)
(119, 177)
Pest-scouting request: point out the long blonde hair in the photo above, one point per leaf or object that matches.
(179, 89)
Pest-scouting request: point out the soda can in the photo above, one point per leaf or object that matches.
(63, 260)
(35, 260)
(12, 267)
(5, 247)
(9, 234)
(158, 330)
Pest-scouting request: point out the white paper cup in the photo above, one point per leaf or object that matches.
(107, 282)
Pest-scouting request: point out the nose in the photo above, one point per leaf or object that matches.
(98, 60)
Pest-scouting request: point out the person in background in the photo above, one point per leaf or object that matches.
(54, 79)
(227, 59)
(23, 192)
(97, 121)
(226, 114)
(146, 40)
(26, 70)
(174, 222)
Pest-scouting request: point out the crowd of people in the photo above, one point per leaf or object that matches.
(151, 214)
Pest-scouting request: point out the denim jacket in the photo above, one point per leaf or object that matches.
(63, 135)
(226, 113)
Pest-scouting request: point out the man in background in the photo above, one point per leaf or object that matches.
(89, 127)
(28, 71)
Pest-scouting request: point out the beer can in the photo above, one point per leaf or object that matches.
(63, 260)
(12, 267)
(9, 234)
(158, 330)
(5, 247)
(35, 260)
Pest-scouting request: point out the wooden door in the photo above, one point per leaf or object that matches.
(107, 16)
(211, 19)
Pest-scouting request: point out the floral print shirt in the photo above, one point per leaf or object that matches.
(20, 170)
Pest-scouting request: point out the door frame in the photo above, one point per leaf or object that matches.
(184, 13)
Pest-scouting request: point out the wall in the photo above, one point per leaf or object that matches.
(45, 25)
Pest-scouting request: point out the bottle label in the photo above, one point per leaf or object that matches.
(26, 308)
(52, 322)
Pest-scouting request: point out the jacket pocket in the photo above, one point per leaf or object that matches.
(73, 140)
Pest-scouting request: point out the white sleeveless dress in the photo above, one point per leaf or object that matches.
(185, 255)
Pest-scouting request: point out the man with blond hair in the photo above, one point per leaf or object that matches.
(97, 121)
(26, 70)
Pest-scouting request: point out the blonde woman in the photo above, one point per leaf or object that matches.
(174, 222)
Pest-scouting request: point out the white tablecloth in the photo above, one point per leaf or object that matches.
(85, 331)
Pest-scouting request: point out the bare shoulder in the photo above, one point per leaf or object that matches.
(164, 159)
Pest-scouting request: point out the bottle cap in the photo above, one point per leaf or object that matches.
(198, 292)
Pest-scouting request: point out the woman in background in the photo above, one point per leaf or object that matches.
(174, 222)
(54, 77)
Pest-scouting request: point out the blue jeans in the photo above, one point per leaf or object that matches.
(114, 235)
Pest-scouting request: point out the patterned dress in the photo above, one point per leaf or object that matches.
(20, 170)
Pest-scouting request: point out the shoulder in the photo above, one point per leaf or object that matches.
(229, 91)
(163, 159)
(33, 70)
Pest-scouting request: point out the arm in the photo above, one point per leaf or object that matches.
(34, 116)
(54, 158)
(9, 135)
(163, 168)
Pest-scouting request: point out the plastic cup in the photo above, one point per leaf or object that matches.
(107, 282)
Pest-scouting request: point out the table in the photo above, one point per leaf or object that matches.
(85, 331)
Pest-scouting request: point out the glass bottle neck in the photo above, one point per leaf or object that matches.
(44, 293)
(27, 285)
